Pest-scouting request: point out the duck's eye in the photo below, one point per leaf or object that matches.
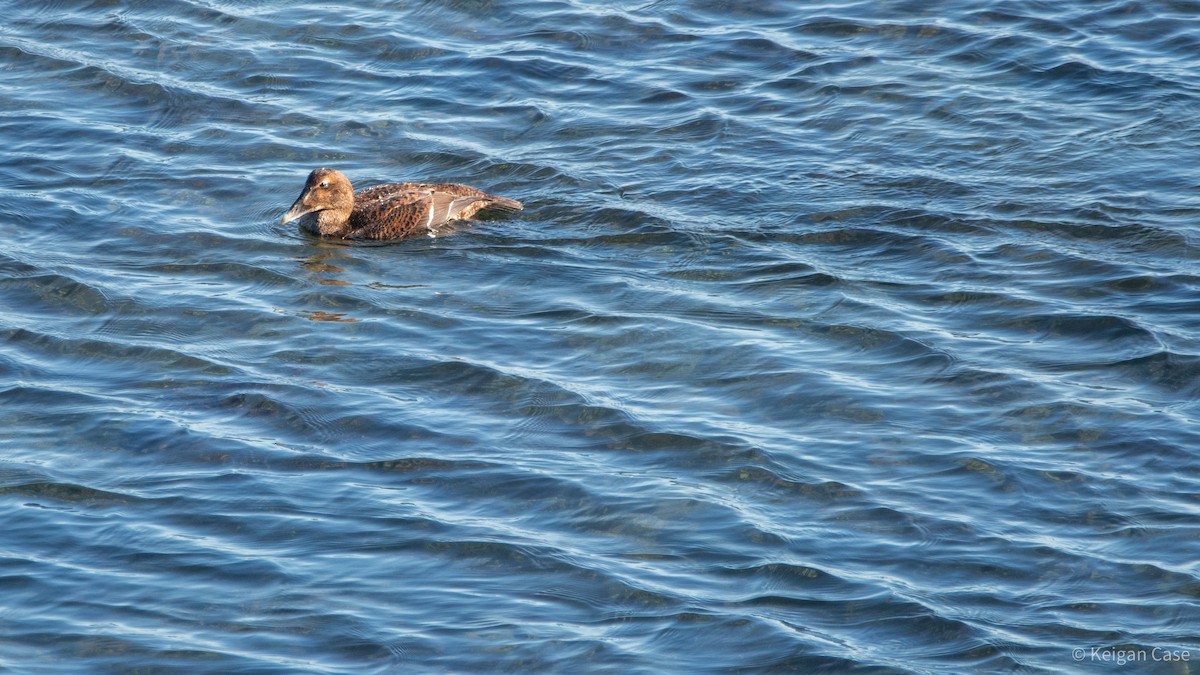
(325, 183)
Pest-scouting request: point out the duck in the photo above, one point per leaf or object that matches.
(329, 207)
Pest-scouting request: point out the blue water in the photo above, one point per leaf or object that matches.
(834, 337)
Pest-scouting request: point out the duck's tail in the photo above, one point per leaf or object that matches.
(447, 207)
(503, 204)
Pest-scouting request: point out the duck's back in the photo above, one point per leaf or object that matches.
(398, 210)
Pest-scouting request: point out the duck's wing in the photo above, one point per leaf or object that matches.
(445, 207)
(394, 214)
(386, 212)
(399, 210)
(470, 207)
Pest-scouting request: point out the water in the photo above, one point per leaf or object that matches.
(835, 337)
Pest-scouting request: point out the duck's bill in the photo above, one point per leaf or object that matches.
(298, 209)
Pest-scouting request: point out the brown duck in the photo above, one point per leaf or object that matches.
(330, 207)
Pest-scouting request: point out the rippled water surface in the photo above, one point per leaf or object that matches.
(834, 337)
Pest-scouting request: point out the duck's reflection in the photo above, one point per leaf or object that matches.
(318, 315)
(318, 265)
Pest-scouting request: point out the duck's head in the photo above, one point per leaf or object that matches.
(327, 194)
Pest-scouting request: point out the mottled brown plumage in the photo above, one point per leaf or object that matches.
(328, 206)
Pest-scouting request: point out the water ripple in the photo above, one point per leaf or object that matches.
(838, 338)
